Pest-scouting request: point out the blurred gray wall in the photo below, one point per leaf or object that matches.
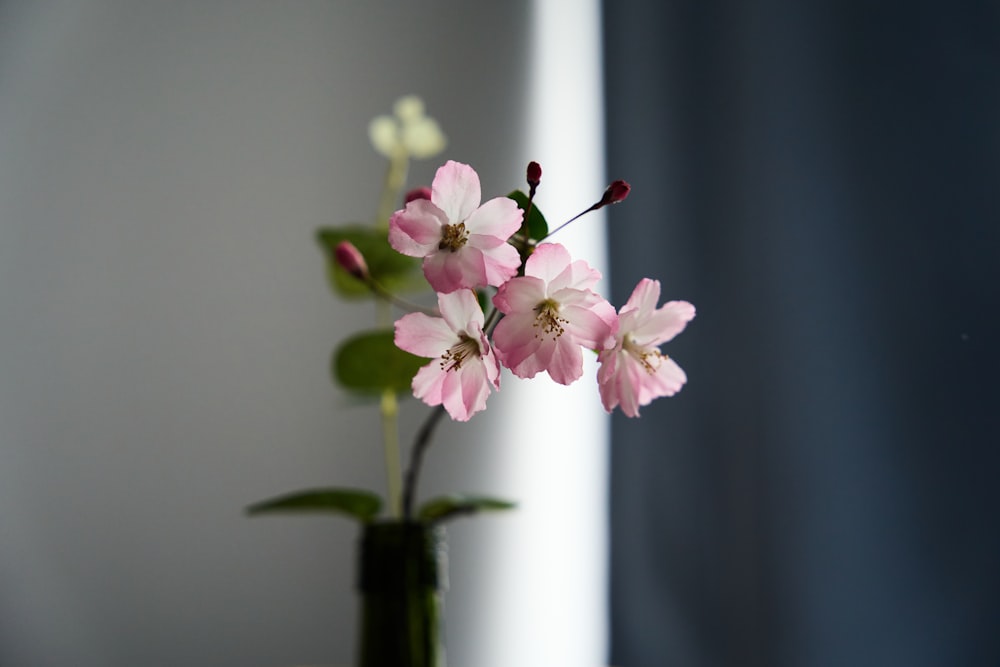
(166, 326)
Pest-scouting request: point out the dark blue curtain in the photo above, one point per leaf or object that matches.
(822, 180)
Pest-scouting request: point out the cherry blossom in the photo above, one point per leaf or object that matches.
(550, 312)
(464, 365)
(633, 372)
(463, 244)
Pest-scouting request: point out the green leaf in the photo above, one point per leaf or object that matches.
(370, 362)
(447, 507)
(485, 299)
(538, 229)
(390, 269)
(355, 503)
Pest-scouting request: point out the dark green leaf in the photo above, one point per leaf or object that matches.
(370, 362)
(485, 299)
(538, 229)
(447, 507)
(393, 271)
(356, 503)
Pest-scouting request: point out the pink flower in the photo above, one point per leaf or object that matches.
(550, 312)
(634, 371)
(463, 244)
(464, 365)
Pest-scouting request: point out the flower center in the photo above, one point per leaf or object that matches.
(454, 356)
(649, 358)
(547, 320)
(453, 237)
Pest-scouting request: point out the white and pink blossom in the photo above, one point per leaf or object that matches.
(464, 245)
(633, 372)
(464, 366)
(550, 312)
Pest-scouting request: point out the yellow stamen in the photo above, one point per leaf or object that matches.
(454, 356)
(453, 237)
(649, 358)
(547, 320)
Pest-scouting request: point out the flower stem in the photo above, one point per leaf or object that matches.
(491, 322)
(575, 217)
(420, 446)
(390, 436)
(395, 300)
(395, 180)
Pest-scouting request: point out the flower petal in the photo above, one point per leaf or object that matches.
(464, 391)
(456, 190)
(520, 294)
(490, 362)
(625, 383)
(528, 360)
(499, 218)
(565, 364)
(423, 335)
(668, 379)
(475, 387)
(428, 383)
(449, 271)
(461, 310)
(590, 327)
(515, 342)
(547, 261)
(416, 230)
(643, 298)
(663, 324)
(500, 264)
(577, 275)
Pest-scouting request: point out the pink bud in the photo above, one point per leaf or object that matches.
(351, 260)
(534, 174)
(615, 193)
(423, 192)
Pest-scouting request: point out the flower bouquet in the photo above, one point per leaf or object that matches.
(505, 297)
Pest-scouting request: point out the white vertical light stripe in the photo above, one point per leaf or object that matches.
(553, 587)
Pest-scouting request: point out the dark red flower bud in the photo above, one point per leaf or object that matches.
(615, 193)
(351, 260)
(423, 192)
(534, 174)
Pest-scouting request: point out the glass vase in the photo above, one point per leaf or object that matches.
(402, 574)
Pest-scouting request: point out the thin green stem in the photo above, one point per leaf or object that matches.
(491, 322)
(578, 215)
(395, 300)
(395, 180)
(393, 469)
(525, 231)
(420, 446)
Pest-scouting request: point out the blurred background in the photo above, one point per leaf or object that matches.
(820, 181)
(167, 327)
